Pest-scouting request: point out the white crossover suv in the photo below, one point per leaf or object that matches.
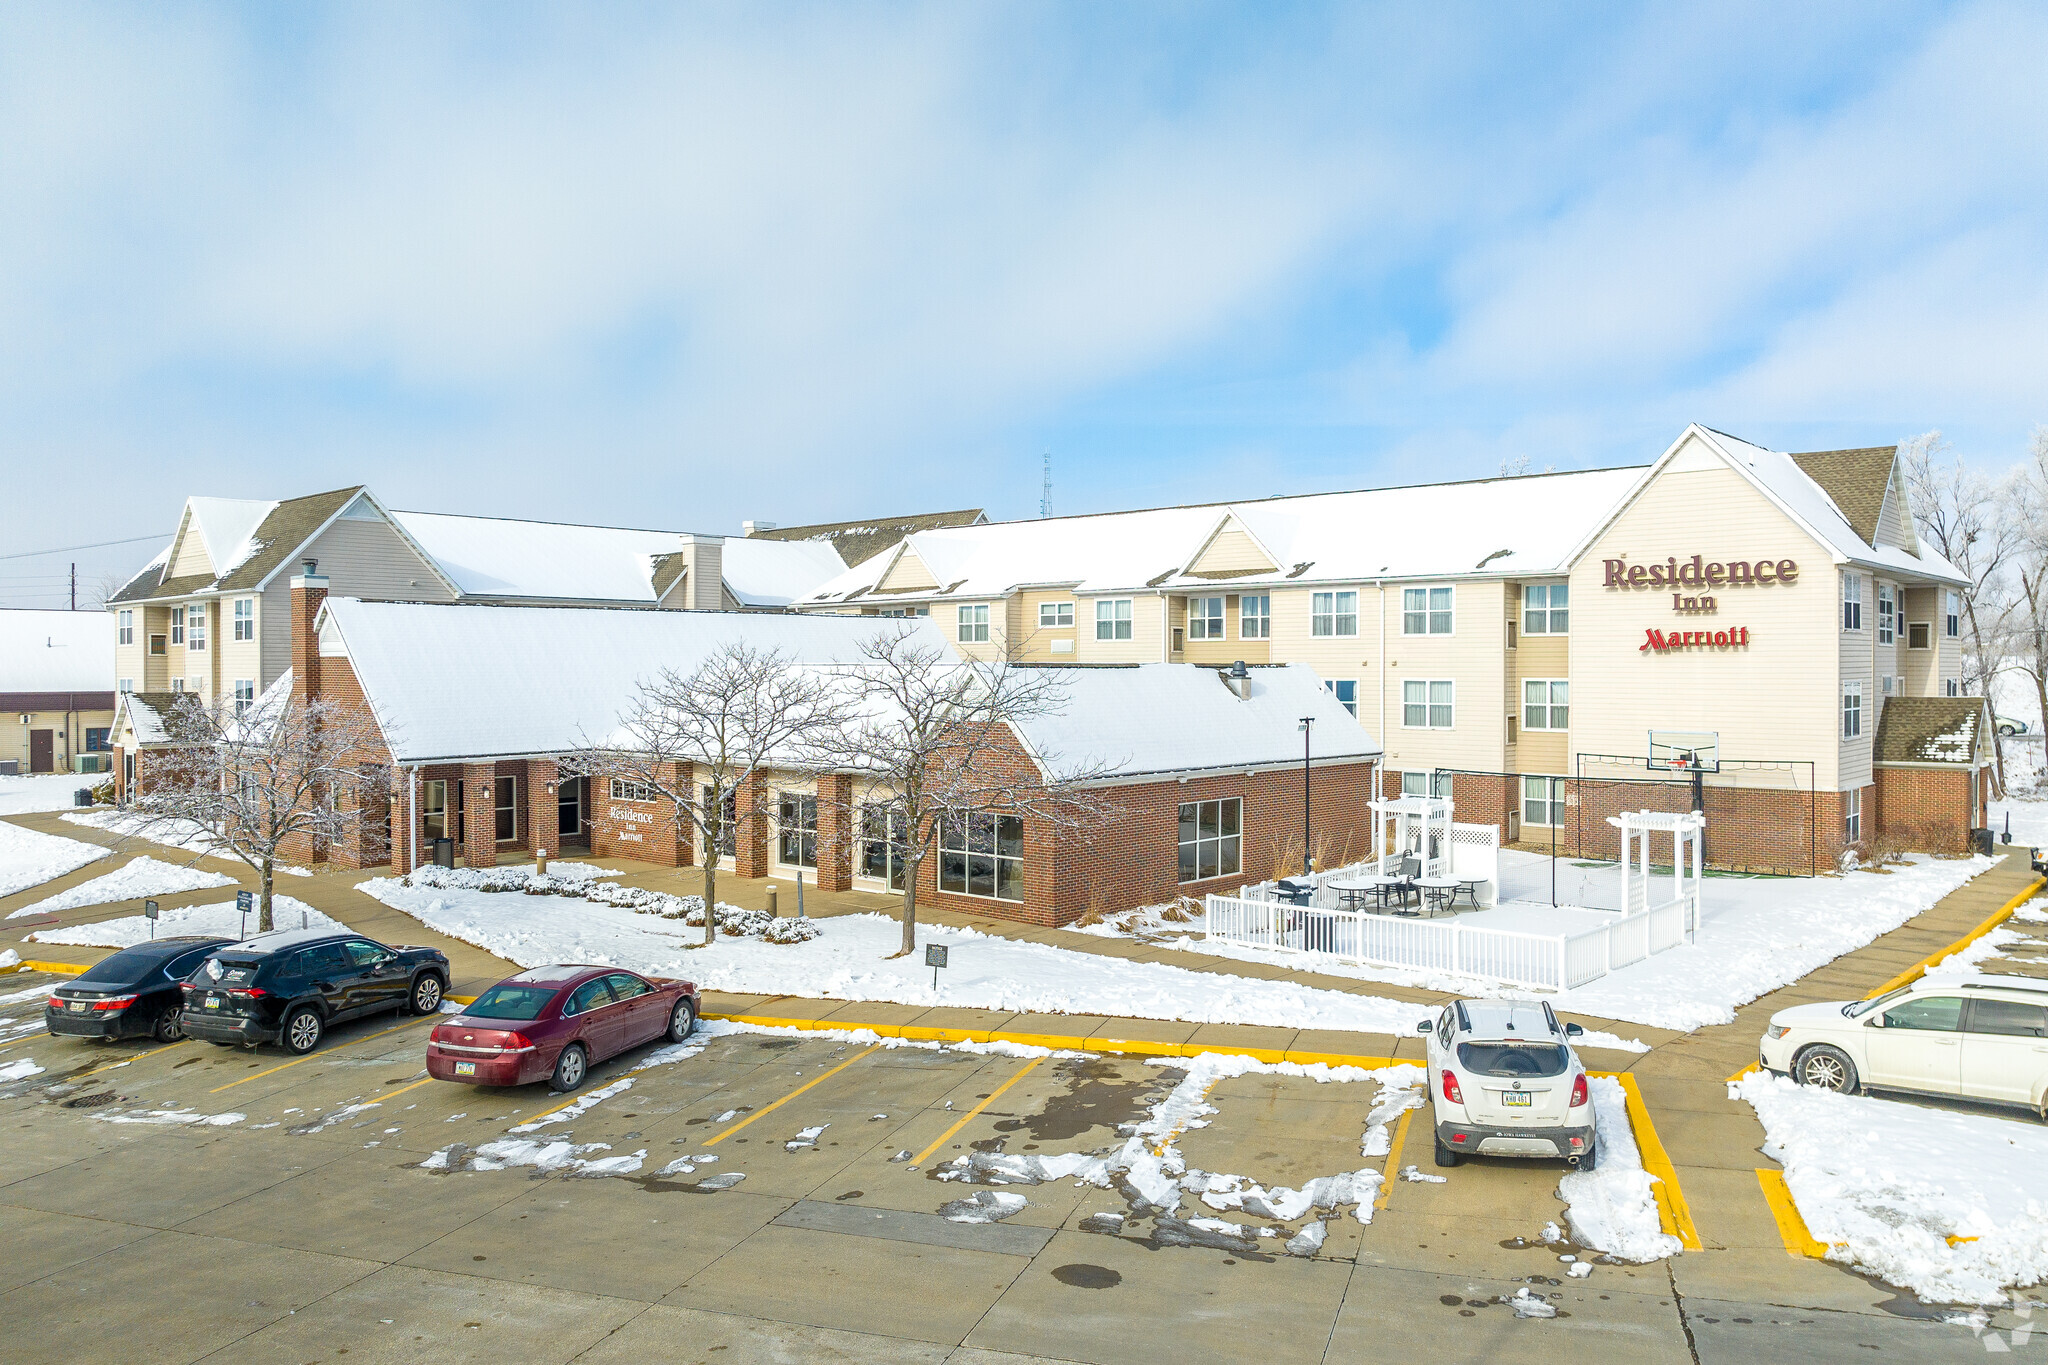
(1978, 1038)
(1505, 1081)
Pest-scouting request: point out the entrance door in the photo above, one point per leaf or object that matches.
(569, 810)
(42, 751)
(882, 841)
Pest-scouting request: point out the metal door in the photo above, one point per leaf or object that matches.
(42, 751)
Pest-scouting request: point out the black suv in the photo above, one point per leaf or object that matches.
(287, 987)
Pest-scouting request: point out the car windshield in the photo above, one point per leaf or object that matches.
(1513, 1059)
(511, 1000)
(1856, 1009)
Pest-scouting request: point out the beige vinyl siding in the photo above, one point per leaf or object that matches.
(1775, 699)
(1892, 528)
(946, 615)
(1535, 656)
(239, 658)
(1231, 648)
(1857, 655)
(1147, 644)
(191, 553)
(1232, 550)
(366, 559)
(907, 574)
(1033, 641)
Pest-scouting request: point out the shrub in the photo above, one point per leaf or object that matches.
(787, 930)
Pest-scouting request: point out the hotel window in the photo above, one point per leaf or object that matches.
(245, 694)
(1056, 615)
(796, 829)
(177, 684)
(905, 611)
(1345, 690)
(195, 634)
(1426, 705)
(1852, 709)
(1255, 617)
(1113, 619)
(156, 644)
(1546, 704)
(1333, 613)
(1426, 783)
(1852, 815)
(1919, 635)
(506, 790)
(974, 625)
(1852, 601)
(1210, 839)
(624, 790)
(127, 684)
(1543, 801)
(1205, 618)
(884, 845)
(1950, 687)
(1884, 613)
(1426, 611)
(96, 740)
(127, 627)
(982, 854)
(1952, 614)
(728, 820)
(177, 625)
(245, 618)
(1546, 608)
(1884, 684)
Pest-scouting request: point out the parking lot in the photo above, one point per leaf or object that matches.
(358, 1209)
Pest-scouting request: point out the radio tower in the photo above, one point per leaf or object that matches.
(1045, 493)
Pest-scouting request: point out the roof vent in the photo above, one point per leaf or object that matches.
(754, 528)
(1238, 679)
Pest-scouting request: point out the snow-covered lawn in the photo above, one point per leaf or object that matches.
(849, 961)
(46, 791)
(185, 834)
(1953, 1206)
(2027, 816)
(1756, 934)
(222, 920)
(28, 858)
(143, 876)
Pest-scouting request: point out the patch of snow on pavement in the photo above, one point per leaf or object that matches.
(222, 919)
(19, 1070)
(1888, 1185)
(1611, 1206)
(575, 1110)
(143, 876)
(339, 1115)
(189, 1117)
(984, 1206)
(29, 858)
(35, 793)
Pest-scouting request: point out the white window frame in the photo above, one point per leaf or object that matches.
(1055, 615)
(806, 806)
(1852, 601)
(127, 684)
(1333, 614)
(1429, 611)
(1228, 848)
(1852, 709)
(245, 618)
(245, 694)
(638, 793)
(1546, 608)
(973, 623)
(1852, 815)
(1884, 684)
(1926, 632)
(1113, 618)
(177, 684)
(1206, 619)
(1425, 782)
(1952, 613)
(1339, 687)
(127, 620)
(1546, 801)
(1551, 708)
(1436, 714)
(177, 625)
(1255, 622)
(195, 626)
(1887, 612)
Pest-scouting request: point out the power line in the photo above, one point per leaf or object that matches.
(67, 549)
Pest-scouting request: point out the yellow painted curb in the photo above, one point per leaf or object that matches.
(1749, 1070)
(1792, 1229)
(59, 968)
(1914, 972)
(1672, 1210)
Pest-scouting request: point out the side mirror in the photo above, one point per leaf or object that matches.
(1425, 1026)
(1574, 1031)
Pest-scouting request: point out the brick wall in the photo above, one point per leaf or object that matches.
(1924, 808)
(835, 832)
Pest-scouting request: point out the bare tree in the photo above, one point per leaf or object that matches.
(693, 740)
(932, 748)
(2019, 637)
(259, 778)
(1968, 517)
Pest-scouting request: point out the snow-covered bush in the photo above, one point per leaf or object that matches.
(787, 930)
(732, 919)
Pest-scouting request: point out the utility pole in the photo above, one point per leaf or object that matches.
(1045, 492)
(74, 587)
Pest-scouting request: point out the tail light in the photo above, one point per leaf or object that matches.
(114, 1002)
(1451, 1091)
(56, 1002)
(519, 1042)
(1579, 1090)
(248, 993)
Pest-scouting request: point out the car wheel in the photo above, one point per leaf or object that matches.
(168, 1027)
(1591, 1156)
(1445, 1156)
(682, 1022)
(570, 1068)
(426, 994)
(2007, 730)
(1826, 1067)
(302, 1030)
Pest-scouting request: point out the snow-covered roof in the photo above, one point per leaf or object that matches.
(228, 527)
(56, 651)
(143, 713)
(466, 681)
(1177, 718)
(775, 573)
(1517, 526)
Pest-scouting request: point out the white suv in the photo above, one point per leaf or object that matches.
(1978, 1038)
(1505, 1081)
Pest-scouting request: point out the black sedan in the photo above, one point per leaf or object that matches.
(133, 994)
(289, 986)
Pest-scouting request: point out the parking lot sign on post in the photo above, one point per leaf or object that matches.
(245, 901)
(934, 958)
(149, 913)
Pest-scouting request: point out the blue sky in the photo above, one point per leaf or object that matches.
(680, 266)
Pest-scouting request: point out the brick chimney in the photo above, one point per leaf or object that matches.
(309, 590)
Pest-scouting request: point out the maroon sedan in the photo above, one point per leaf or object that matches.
(555, 1023)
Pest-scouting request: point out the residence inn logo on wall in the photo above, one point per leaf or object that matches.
(1697, 572)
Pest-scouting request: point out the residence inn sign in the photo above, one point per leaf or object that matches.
(1697, 572)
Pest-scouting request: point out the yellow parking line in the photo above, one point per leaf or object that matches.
(393, 1094)
(1672, 1210)
(763, 1113)
(969, 1115)
(1792, 1229)
(313, 1056)
(1914, 972)
(1393, 1167)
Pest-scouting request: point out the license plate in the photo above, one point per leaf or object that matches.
(213, 1002)
(465, 1068)
(78, 1007)
(1517, 1097)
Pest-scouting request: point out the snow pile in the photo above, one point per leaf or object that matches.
(1612, 1206)
(143, 876)
(560, 876)
(221, 920)
(9, 958)
(557, 1157)
(1987, 946)
(855, 962)
(30, 859)
(1184, 916)
(1952, 1206)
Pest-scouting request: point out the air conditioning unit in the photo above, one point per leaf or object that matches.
(1514, 826)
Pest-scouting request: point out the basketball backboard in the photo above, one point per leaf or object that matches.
(1685, 751)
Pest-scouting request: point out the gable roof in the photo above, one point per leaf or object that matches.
(1944, 730)
(1856, 480)
(144, 713)
(247, 542)
(859, 541)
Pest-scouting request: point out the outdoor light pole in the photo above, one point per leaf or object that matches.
(1306, 723)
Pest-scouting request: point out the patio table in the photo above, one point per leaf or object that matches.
(1376, 885)
(1437, 892)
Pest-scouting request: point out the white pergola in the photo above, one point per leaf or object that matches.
(1687, 856)
(1422, 830)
